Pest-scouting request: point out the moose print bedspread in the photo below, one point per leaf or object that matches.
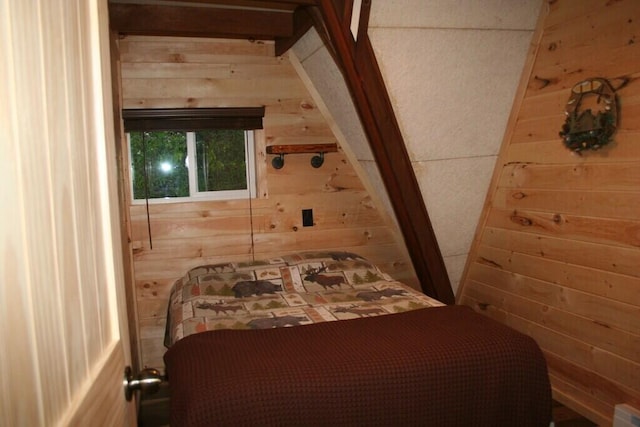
(293, 290)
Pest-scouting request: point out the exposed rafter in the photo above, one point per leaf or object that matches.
(364, 79)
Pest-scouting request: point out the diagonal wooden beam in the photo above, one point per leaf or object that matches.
(365, 82)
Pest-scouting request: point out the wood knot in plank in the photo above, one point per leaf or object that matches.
(604, 325)
(486, 261)
(483, 305)
(521, 220)
(543, 82)
(306, 105)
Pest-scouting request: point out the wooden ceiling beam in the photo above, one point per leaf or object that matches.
(263, 4)
(302, 22)
(186, 21)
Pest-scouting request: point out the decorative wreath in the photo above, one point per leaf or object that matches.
(584, 130)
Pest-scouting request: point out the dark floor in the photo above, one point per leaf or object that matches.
(565, 417)
(154, 409)
(154, 412)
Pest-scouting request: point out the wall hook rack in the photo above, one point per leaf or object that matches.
(316, 161)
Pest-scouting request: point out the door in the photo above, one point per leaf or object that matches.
(62, 327)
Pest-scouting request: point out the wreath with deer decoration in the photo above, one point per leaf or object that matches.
(592, 115)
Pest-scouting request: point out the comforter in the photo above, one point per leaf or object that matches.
(258, 344)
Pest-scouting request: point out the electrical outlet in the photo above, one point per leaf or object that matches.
(307, 217)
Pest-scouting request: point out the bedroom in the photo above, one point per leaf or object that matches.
(594, 350)
(524, 308)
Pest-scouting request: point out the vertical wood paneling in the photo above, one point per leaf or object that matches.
(182, 72)
(557, 252)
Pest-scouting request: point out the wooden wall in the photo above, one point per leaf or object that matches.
(557, 252)
(180, 72)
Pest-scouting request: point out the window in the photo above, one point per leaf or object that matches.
(177, 165)
(192, 154)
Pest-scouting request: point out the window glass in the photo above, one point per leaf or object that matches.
(180, 166)
(221, 160)
(166, 174)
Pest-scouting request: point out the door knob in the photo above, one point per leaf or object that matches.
(147, 381)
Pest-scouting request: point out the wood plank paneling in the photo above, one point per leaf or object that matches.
(602, 257)
(625, 148)
(567, 311)
(180, 72)
(538, 322)
(583, 176)
(557, 251)
(602, 204)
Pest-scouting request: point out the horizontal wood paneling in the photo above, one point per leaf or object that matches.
(163, 72)
(625, 148)
(557, 252)
(583, 176)
(622, 260)
(602, 204)
(547, 326)
(198, 50)
(566, 310)
(587, 229)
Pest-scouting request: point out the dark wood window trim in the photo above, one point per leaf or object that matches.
(192, 119)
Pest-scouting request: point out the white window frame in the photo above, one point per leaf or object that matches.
(194, 194)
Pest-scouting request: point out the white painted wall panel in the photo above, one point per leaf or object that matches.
(454, 191)
(452, 90)
(495, 14)
(451, 68)
(328, 81)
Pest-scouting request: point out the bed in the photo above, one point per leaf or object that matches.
(327, 338)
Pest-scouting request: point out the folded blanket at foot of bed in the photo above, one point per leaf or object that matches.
(439, 366)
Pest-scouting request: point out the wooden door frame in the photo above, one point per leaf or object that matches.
(125, 219)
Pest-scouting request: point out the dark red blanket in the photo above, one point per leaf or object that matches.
(443, 366)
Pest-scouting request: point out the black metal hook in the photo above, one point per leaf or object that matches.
(278, 162)
(317, 161)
